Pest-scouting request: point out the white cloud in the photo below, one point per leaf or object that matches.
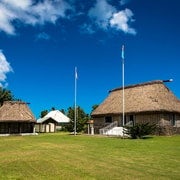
(27, 12)
(120, 21)
(5, 20)
(106, 16)
(101, 13)
(87, 28)
(43, 36)
(22, 4)
(50, 11)
(123, 2)
(4, 68)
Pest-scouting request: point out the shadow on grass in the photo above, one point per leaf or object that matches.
(143, 138)
(148, 137)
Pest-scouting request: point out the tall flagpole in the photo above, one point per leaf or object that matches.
(75, 97)
(122, 55)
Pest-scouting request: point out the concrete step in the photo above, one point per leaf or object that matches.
(116, 131)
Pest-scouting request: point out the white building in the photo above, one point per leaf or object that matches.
(49, 122)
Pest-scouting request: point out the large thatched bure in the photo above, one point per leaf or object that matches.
(149, 102)
(16, 118)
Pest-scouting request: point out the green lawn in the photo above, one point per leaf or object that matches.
(63, 156)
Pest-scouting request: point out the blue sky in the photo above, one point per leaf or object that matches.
(41, 42)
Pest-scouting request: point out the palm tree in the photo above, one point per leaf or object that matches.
(5, 95)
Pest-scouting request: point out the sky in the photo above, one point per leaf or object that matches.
(41, 43)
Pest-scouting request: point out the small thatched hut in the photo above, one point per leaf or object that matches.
(16, 118)
(149, 102)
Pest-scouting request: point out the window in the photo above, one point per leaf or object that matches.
(172, 119)
(131, 119)
(125, 119)
(108, 119)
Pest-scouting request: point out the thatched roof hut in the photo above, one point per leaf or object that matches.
(16, 118)
(16, 111)
(151, 96)
(151, 102)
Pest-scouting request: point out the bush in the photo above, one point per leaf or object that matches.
(138, 131)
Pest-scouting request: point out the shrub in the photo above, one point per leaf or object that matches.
(138, 131)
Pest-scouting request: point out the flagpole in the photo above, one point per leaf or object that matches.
(123, 118)
(75, 95)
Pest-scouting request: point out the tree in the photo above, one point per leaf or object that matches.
(63, 111)
(81, 120)
(94, 107)
(5, 95)
(53, 109)
(43, 113)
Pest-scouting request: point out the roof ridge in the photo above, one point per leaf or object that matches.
(139, 84)
(14, 102)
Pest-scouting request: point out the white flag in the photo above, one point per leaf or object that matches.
(76, 75)
(122, 52)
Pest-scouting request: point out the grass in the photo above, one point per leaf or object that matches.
(63, 156)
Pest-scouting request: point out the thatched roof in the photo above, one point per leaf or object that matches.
(151, 96)
(15, 111)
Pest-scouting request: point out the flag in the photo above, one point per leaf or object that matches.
(122, 53)
(76, 75)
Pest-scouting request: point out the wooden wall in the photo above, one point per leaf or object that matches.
(16, 127)
(163, 119)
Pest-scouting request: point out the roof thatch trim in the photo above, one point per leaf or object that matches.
(151, 96)
(16, 111)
